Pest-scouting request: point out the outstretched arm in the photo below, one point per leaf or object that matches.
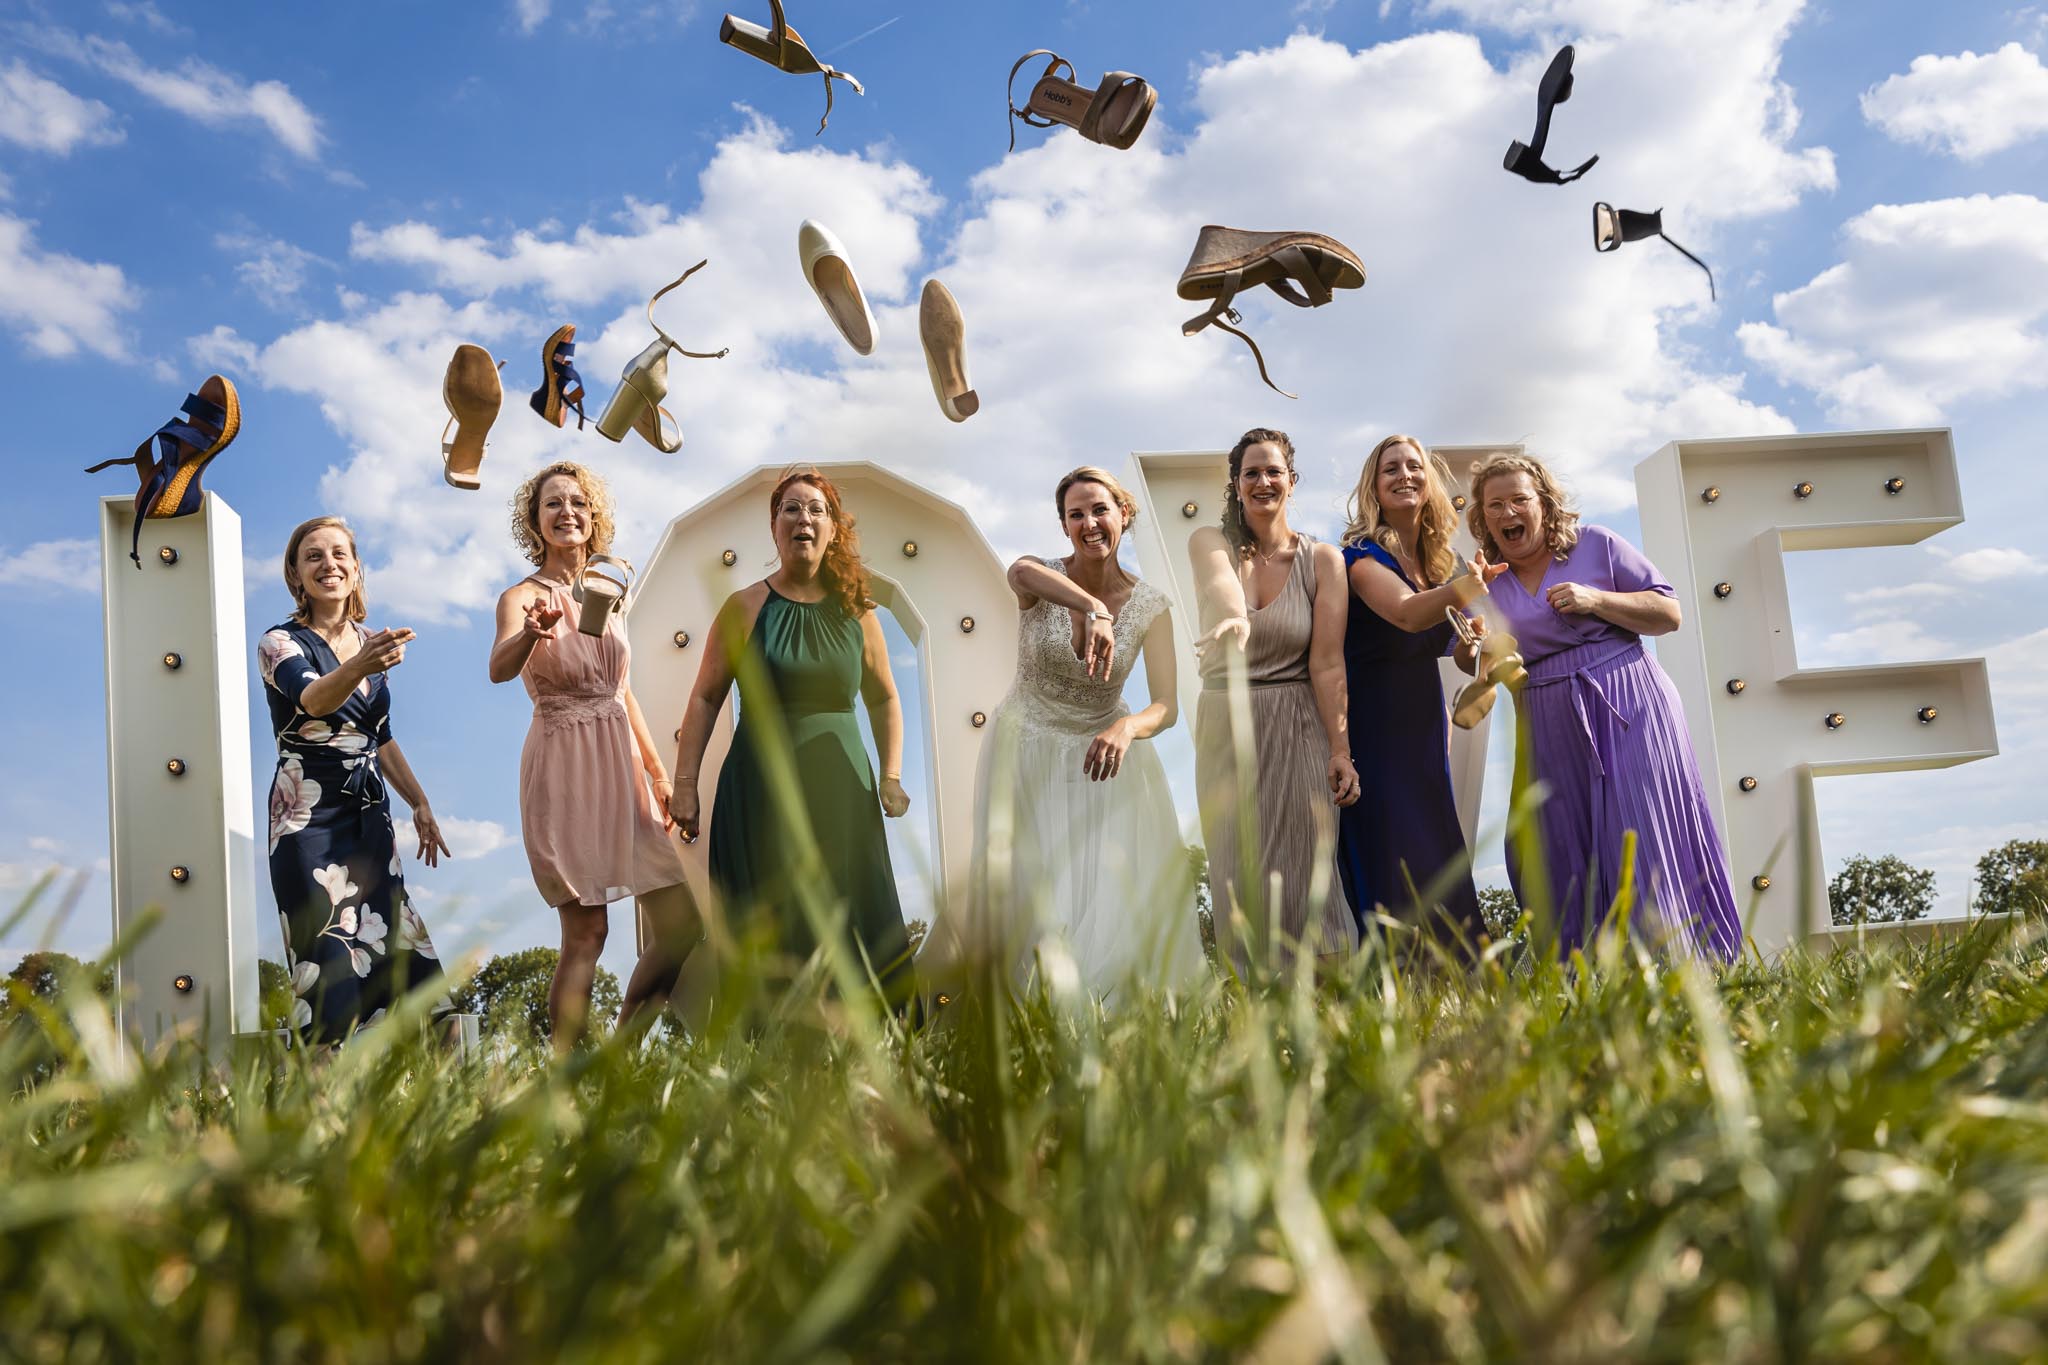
(1219, 593)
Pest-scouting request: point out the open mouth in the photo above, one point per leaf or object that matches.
(1095, 538)
(1513, 535)
(804, 538)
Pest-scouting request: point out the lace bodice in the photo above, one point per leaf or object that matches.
(1051, 692)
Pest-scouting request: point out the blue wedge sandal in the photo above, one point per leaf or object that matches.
(170, 477)
(562, 389)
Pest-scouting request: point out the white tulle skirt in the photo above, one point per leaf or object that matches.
(1070, 869)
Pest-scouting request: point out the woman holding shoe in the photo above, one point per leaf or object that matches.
(593, 791)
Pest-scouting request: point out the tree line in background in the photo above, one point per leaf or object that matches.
(509, 994)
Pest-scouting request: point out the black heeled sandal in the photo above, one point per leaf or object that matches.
(1526, 159)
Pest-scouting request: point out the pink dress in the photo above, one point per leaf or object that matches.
(586, 810)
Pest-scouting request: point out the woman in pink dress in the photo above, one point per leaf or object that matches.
(593, 793)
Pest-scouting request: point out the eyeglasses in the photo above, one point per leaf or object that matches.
(798, 509)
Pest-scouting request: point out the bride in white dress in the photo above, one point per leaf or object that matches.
(1075, 831)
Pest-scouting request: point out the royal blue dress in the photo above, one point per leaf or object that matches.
(353, 942)
(1404, 826)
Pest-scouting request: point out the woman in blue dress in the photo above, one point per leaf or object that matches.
(353, 942)
(1403, 834)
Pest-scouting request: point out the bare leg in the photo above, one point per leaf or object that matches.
(583, 931)
(675, 928)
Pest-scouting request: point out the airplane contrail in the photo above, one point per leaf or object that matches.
(863, 37)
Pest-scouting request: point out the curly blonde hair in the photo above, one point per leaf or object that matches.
(1434, 528)
(526, 512)
(1560, 520)
(302, 608)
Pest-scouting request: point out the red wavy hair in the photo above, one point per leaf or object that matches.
(845, 577)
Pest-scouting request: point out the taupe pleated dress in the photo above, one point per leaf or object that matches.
(1293, 863)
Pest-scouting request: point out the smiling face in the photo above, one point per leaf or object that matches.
(563, 512)
(325, 568)
(803, 526)
(1092, 520)
(1401, 481)
(1264, 480)
(1514, 517)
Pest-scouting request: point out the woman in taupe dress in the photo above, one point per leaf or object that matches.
(1272, 605)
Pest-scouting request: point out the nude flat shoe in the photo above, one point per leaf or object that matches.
(831, 277)
(945, 351)
(636, 404)
(472, 393)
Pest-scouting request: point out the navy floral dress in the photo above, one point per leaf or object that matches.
(353, 942)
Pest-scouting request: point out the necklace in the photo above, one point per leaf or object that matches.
(1267, 555)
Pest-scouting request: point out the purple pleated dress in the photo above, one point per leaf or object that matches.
(1608, 737)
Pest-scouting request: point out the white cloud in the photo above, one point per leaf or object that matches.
(199, 91)
(146, 13)
(1065, 261)
(1991, 565)
(530, 14)
(1967, 105)
(60, 304)
(1932, 302)
(60, 565)
(270, 268)
(467, 839)
(38, 113)
(1891, 640)
(224, 349)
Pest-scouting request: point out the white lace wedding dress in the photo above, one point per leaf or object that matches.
(1100, 865)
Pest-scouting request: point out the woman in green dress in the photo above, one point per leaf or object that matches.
(801, 643)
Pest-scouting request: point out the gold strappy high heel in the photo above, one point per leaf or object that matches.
(636, 404)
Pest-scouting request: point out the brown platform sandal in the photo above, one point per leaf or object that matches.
(1228, 260)
(472, 393)
(1113, 114)
(780, 47)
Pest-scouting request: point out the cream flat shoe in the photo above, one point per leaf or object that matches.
(945, 351)
(636, 404)
(831, 277)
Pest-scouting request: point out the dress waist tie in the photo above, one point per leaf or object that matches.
(1575, 667)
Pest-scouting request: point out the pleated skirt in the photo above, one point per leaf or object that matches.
(1608, 739)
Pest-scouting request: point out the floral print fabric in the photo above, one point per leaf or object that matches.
(353, 942)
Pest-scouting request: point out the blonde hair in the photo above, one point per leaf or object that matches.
(526, 512)
(1089, 473)
(1435, 524)
(302, 609)
(1560, 521)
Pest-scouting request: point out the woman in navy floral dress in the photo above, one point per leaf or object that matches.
(353, 942)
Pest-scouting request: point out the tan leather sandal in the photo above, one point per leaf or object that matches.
(1301, 267)
(781, 47)
(1113, 114)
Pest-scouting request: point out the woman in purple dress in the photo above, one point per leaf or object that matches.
(1606, 732)
(1403, 835)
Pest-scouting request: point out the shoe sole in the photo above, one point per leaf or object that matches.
(170, 503)
(1205, 281)
(944, 333)
(471, 375)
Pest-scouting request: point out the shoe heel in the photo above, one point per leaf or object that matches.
(641, 388)
(749, 38)
(620, 413)
(596, 607)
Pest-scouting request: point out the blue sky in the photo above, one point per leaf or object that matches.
(322, 200)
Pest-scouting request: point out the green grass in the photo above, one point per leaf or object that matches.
(1841, 1159)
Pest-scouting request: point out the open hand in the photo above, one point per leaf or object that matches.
(384, 650)
(541, 619)
(1094, 643)
(1236, 628)
(1574, 599)
(433, 847)
(895, 801)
